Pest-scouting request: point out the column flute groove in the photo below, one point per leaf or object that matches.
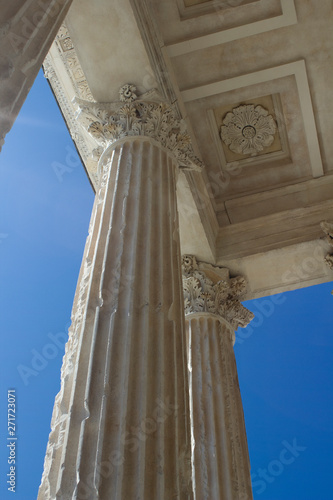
(220, 462)
(126, 423)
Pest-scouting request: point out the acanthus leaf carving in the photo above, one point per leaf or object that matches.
(134, 117)
(219, 295)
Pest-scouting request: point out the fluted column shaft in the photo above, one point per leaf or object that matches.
(221, 467)
(28, 28)
(220, 461)
(121, 426)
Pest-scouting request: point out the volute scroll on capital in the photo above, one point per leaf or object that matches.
(209, 289)
(147, 115)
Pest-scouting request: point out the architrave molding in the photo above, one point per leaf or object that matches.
(272, 231)
(66, 77)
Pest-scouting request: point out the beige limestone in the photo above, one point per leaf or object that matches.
(109, 28)
(120, 428)
(268, 214)
(231, 53)
(27, 31)
(121, 423)
(284, 269)
(220, 461)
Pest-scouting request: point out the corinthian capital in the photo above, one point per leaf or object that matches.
(134, 116)
(209, 288)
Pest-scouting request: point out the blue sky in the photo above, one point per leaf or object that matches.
(284, 358)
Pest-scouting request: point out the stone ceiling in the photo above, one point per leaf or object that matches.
(252, 79)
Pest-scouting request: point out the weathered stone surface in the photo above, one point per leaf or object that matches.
(221, 467)
(220, 455)
(209, 288)
(121, 426)
(133, 117)
(259, 215)
(27, 31)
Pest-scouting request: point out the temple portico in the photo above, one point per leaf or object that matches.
(213, 181)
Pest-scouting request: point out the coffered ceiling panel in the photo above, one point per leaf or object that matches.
(283, 150)
(195, 8)
(254, 82)
(218, 21)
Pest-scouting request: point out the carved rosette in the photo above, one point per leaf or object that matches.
(134, 117)
(209, 289)
(327, 228)
(248, 129)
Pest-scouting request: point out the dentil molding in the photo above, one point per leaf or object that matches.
(209, 288)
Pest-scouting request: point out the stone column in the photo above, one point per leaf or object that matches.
(220, 461)
(27, 30)
(121, 423)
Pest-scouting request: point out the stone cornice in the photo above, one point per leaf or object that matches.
(60, 65)
(72, 64)
(145, 116)
(209, 289)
